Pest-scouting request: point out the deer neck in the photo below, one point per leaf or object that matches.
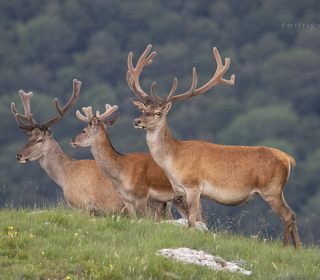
(106, 157)
(161, 144)
(56, 163)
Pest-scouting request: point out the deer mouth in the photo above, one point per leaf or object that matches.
(73, 143)
(22, 160)
(139, 126)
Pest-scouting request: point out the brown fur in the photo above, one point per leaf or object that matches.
(229, 175)
(83, 184)
(136, 177)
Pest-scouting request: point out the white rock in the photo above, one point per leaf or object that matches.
(190, 256)
(184, 222)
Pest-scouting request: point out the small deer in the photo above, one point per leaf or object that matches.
(136, 177)
(83, 184)
(229, 175)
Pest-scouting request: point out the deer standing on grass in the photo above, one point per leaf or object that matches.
(229, 175)
(82, 182)
(138, 180)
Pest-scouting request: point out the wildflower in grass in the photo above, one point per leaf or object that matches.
(76, 234)
(31, 235)
(42, 253)
(68, 277)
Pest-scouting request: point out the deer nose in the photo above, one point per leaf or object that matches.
(136, 122)
(18, 157)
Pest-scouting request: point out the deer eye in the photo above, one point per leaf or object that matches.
(158, 113)
(40, 140)
(83, 131)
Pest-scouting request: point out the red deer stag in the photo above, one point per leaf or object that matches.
(229, 175)
(82, 182)
(138, 180)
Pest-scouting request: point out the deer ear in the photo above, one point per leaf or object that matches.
(111, 120)
(140, 105)
(167, 108)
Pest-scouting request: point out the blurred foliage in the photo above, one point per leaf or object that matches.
(275, 101)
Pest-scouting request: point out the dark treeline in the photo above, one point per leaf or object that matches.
(274, 50)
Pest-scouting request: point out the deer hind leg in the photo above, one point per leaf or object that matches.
(279, 205)
(181, 204)
(200, 215)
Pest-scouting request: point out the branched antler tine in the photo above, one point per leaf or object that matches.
(81, 117)
(61, 112)
(108, 112)
(154, 96)
(217, 78)
(29, 122)
(134, 73)
(142, 96)
(88, 113)
(19, 117)
(129, 80)
(191, 91)
(173, 90)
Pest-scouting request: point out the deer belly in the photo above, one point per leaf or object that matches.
(159, 196)
(227, 195)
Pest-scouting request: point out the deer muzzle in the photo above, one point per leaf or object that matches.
(20, 158)
(137, 124)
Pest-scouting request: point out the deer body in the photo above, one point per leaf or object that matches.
(138, 180)
(229, 175)
(84, 185)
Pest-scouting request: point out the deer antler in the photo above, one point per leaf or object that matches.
(89, 115)
(134, 73)
(28, 123)
(133, 80)
(25, 122)
(217, 78)
(108, 112)
(61, 112)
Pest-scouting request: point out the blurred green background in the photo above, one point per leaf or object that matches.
(274, 50)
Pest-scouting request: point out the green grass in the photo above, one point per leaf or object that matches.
(61, 243)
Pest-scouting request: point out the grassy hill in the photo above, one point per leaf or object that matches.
(61, 243)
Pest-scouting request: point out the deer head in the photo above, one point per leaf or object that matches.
(154, 114)
(40, 134)
(89, 134)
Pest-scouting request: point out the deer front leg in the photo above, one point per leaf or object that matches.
(193, 201)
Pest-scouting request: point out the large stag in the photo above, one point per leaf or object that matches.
(229, 175)
(138, 180)
(82, 182)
